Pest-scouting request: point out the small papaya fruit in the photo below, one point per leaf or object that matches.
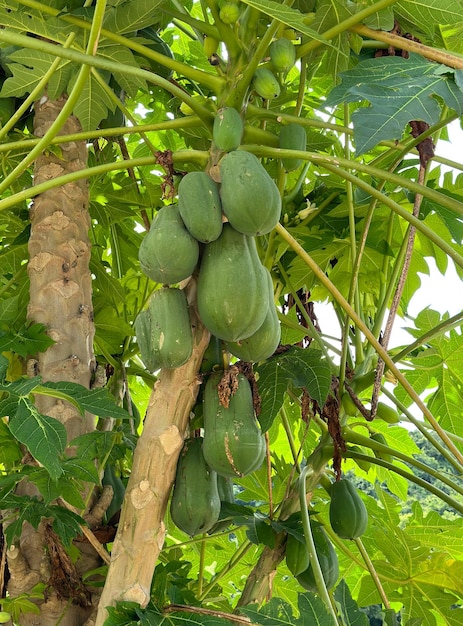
(113, 479)
(263, 343)
(266, 84)
(250, 197)
(233, 442)
(297, 555)
(387, 413)
(213, 357)
(200, 207)
(292, 137)
(195, 504)
(227, 130)
(328, 560)
(229, 12)
(226, 495)
(282, 54)
(231, 282)
(348, 513)
(380, 438)
(171, 334)
(168, 253)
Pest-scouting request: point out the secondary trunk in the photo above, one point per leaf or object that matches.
(61, 299)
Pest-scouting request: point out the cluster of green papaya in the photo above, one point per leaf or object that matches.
(232, 446)
(215, 224)
(348, 518)
(267, 79)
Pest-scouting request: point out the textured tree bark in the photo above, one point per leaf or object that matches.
(141, 531)
(61, 299)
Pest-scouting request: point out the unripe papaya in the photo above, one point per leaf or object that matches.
(231, 282)
(328, 560)
(142, 327)
(168, 253)
(263, 343)
(200, 207)
(195, 504)
(211, 45)
(226, 495)
(387, 413)
(266, 84)
(292, 137)
(213, 357)
(380, 438)
(229, 13)
(297, 555)
(5, 617)
(171, 334)
(114, 480)
(282, 54)
(233, 442)
(250, 198)
(228, 129)
(348, 514)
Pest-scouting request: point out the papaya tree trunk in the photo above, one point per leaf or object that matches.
(141, 530)
(61, 299)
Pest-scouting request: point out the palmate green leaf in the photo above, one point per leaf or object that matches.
(287, 15)
(93, 104)
(44, 436)
(312, 612)
(132, 15)
(348, 609)
(427, 13)
(302, 368)
(28, 67)
(435, 531)
(27, 340)
(399, 90)
(128, 82)
(26, 20)
(95, 401)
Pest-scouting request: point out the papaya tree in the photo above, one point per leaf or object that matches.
(187, 188)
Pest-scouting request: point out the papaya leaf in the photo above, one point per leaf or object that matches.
(348, 609)
(96, 401)
(312, 612)
(286, 15)
(399, 90)
(131, 15)
(427, 13)
(303, 368)
(44, 436)
(27, 340)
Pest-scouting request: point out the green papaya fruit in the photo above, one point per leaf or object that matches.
(168, 253)
(5, 617)
(387, 413)
(297, 555)
(250, 197)
(292, 137)
(380, 438)
(266, 84)
(282, 54)
(113, 479)
(228, 129)
(233, 442)
(328, 560)
(229, 13)
(142, 327)
(348, 513)
(195, 503)
(200, 207)
(231, 282)
(171, 334)
(263, 343)
(157, 44)
(226, 495)
(213, 357)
